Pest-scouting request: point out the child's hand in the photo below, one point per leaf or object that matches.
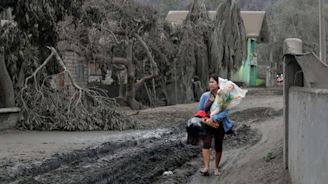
(237, 97)
(204, 119)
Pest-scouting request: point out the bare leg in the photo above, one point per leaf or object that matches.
(206, 159)
(217, 163)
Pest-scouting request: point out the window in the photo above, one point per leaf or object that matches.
(80, 73)
(95, 69)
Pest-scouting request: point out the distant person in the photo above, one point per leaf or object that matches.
(197, 88)
(280, 79)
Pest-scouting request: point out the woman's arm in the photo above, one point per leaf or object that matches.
(202, 102)
(213, 121)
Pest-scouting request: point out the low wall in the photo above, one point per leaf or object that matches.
(8, 117)
(308, 135)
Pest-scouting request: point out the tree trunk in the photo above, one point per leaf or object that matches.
(21, 76)
(131, 86)
(149, 96)
(7, 96)
(130, 73)
(121, 90)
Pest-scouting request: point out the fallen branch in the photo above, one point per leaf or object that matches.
(45, 108)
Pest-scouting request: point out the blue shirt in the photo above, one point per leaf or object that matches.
(222, 116)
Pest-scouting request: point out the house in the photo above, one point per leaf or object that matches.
(76, 64)
(256, 32)
(83, 70)
(253, 20)
(6, 16)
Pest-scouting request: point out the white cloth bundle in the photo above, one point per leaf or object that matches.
(237, 91)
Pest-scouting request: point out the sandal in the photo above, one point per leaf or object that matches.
(216, 172)
(204, 172)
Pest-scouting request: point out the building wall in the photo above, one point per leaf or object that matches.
(6, 14)
(78, 68)
(308, 135)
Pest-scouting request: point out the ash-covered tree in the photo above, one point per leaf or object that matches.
(287, 19)
(121, 42)
(25, 40)
(228, 40)
(192, 57)
(30, 59)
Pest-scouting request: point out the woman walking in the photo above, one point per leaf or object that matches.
(216, 127)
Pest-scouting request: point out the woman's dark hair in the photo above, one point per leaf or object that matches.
(215, 77)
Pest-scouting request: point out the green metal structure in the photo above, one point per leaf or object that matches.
(248, 71)
(250, 65)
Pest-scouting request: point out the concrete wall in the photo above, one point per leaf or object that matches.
(8, 117)
(8, 120)
(308, 135)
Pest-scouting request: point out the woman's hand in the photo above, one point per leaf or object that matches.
(212, 123)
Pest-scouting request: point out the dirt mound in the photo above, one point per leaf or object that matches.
(254, 114)
(244, 136)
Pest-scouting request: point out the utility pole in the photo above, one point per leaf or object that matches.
(322, 33)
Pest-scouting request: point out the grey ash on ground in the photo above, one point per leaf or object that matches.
(137, 161)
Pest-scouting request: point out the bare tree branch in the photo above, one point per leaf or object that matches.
(85, 109)
(154, 64)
